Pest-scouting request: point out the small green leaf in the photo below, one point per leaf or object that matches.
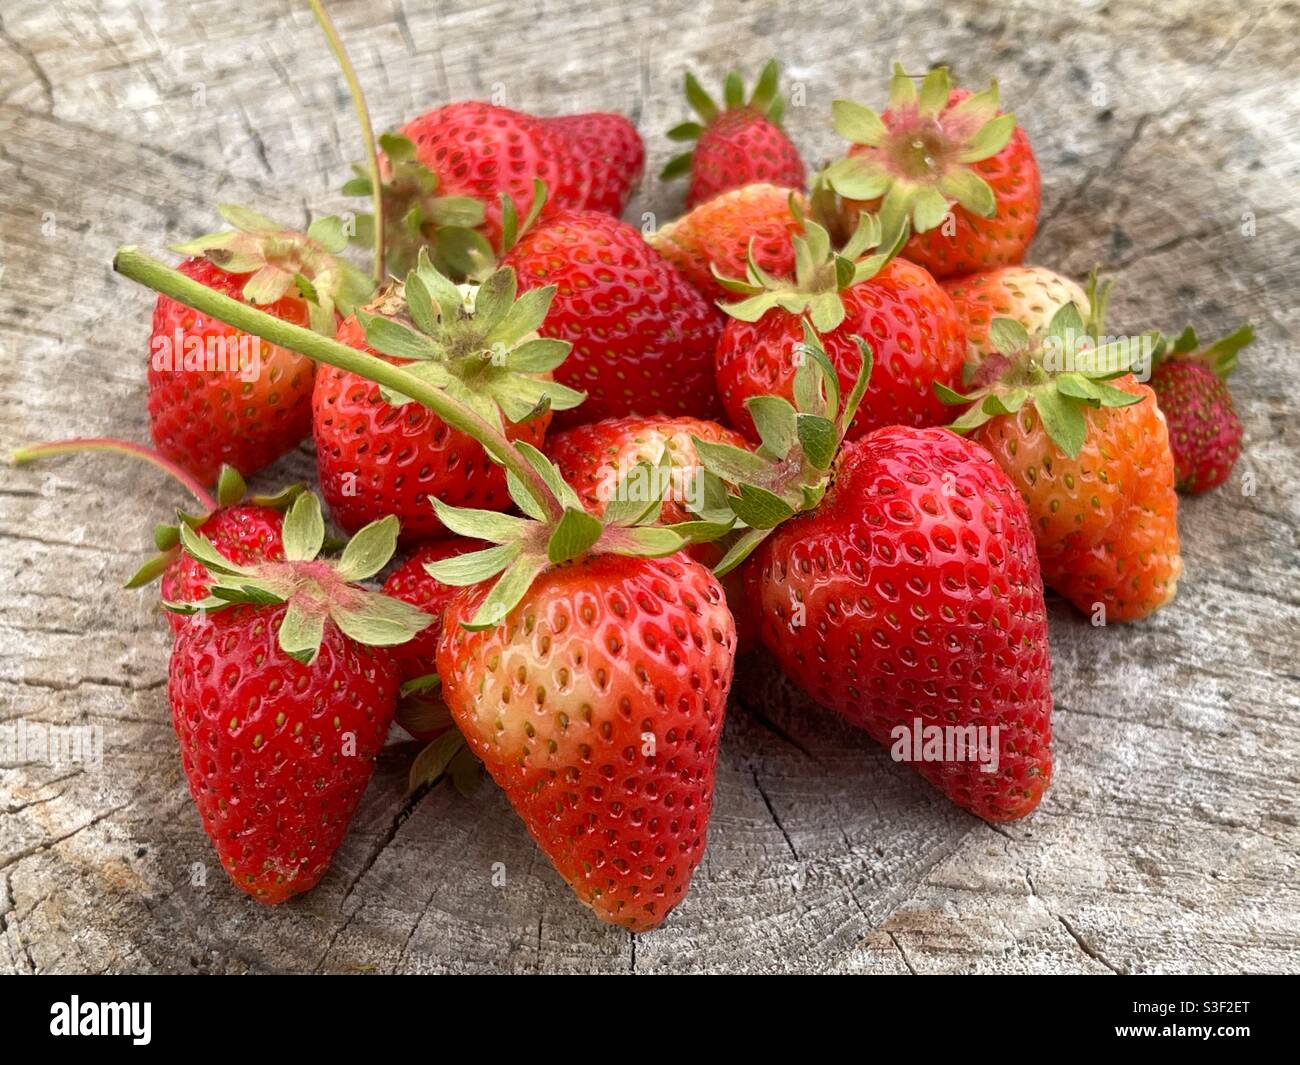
(200, 549)
(432, 762)
(369, 550)
(490, 525)
(902, 92)
(760, 509)
(301, 632)
(733, 91)
(929, 208)
(538, 356)
(304, 529)
(398, 148)
(733, 464)
(818, 438)
(230, 487)
(427, 682)
(677, 166)
(329, 233)
(378, 620)
(765, 89)
(935, 90)
(991, 139)
(393, 338)
(858, 124)
(774, 418)
(473, 566)
(1064, 421)
(740, 550)
(506, 593)
(971, 191)
(699, 99)
(1008, 336)
(575, 533)
(150, 571)
(648, 541)
(495, 297)
(525, 316)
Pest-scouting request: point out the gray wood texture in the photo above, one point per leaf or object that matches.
(1168, 135)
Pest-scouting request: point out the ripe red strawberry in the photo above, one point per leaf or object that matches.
(1088, 449)
(1191, 388)
(909, 321)
(718, 234)
(952, 163)
(597, 705)
(281, 704)
(445, 174)
(912, 592)
(610, 145)
(643, 338)
(741, 145)
(377, 458)
(218, 396)
(1029, 294)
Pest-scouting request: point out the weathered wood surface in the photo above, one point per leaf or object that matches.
(1169, 841)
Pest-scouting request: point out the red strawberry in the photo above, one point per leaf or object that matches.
(643, 338)
(1029, 294)
(718, 235)
(218, 396)
(612, 147)
(1088, 450)
(1191, 388)
(896, 306)
(597, 705)
(375, 458)
(281, 706)
(912, 594)
(952, 163)
(741, 145)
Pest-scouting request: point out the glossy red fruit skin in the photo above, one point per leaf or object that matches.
(411, 583)
(620, 648)
(742, 146)
(481, 150)
(202, 419)
(643, 338)
(245, 534)
(922, 598)
(610, 145)
(1204, 430)
(375, 459)
(277, 753)
(916, 338)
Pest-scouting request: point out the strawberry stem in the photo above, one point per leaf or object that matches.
(367, 130)
(132, 263)
(76, 445)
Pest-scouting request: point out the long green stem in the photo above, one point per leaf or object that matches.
(133, 263)
(367, 130)
(121, 447)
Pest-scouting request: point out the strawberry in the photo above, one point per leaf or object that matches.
(218, 396)
(719, 233)
(1029, 294)
(913, 328)
(952, 163)
(445, 174)
(282, 699)
(643, 338)
(894, 579)
(378, 454)
(610, 145)
(591, 680)
(597, 705)
(742, 144)
(1087, 447)
(1191, 388)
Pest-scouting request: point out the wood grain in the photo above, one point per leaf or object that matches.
(1169, 841)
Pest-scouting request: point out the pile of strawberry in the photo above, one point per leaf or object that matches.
(818, 418)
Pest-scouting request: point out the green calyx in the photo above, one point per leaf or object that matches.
(416, 217)
(315, 591)
(478, 343)
(284, 262)
(231, 491)
(917, 160)
(821, 272)
(790, 472)
(1220, 356)
(765, 100)
(1062, 372)
(524, 547)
